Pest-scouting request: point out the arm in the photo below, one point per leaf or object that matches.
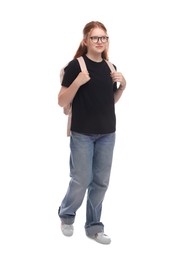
(66, 95)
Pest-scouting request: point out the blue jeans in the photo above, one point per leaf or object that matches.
(90, 167)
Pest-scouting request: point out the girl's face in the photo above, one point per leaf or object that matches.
(97, 41)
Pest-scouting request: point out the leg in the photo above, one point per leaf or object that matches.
(102, 162)
(81, 174)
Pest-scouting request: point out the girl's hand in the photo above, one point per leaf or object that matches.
(82, 78)
(119, 78)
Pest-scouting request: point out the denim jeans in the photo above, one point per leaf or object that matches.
(90, 167)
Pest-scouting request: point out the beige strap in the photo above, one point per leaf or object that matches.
(82, 63)
(69, 124)
(111, 66)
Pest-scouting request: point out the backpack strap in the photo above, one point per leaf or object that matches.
(82, 63)
(111, 66)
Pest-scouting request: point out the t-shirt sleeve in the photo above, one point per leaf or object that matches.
(70, 73)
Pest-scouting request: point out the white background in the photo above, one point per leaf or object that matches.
(37, 39)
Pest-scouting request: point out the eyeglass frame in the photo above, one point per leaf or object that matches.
(100, 38)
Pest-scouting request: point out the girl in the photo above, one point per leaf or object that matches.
(92, 95)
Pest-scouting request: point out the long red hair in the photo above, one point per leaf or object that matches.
(82, 49)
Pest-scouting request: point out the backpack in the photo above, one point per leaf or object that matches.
(67, 109)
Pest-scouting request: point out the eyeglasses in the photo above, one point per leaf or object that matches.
(103, 39)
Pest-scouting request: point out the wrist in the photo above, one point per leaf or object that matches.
(122, 87)
(76, 83)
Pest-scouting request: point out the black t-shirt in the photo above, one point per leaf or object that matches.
(93, 109)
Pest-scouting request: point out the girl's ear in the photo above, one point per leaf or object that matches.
(84, 42)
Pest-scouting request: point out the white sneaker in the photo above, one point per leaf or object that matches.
(101, 238)
(67, 230)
